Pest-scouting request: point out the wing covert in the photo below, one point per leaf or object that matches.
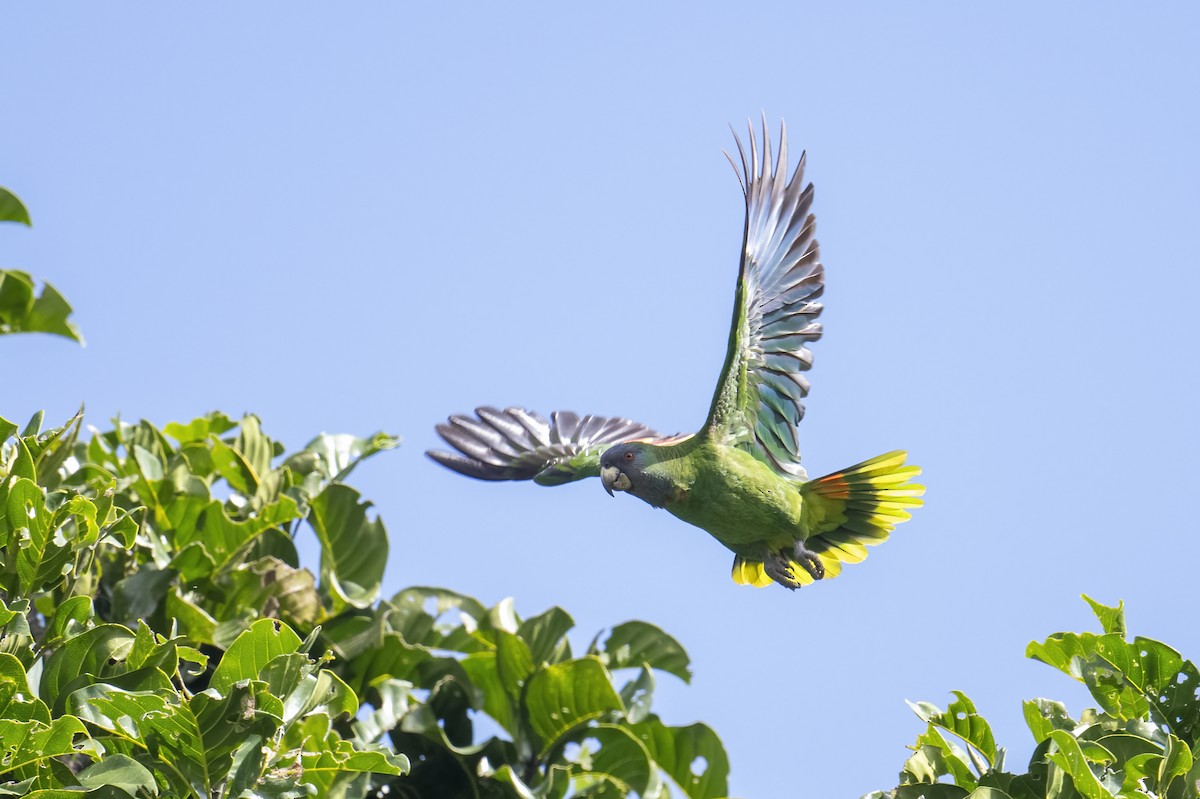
(758, 400)
(516, 444)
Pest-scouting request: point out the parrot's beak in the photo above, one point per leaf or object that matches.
(614, 478)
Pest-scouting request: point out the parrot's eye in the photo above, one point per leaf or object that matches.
(628, 456)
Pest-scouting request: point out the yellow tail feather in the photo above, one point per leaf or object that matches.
(859, 507)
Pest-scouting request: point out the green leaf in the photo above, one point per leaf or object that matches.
(45, 552)
(546, 635)
(612, 754)
(250, 653)
(99, 652)
(514, 662)
(329, 762)
(1176, 762)
(1043, 716)
(139, 595)
(119, 771)
(935, 756)
(962, 720)
(564, 695)
(337, 455)
(635, 643)
(497, 703)
(200, 429)
(354, 549)
(192, 743)
(22, 312)
(12, 209)
(234, 467)
(692, 756)
(393, 700)
(1129, 679)
(1070, 758)
(29, 743)
(1112, 620)
(17, 701)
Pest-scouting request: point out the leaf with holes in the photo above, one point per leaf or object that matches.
(691, 756)
(27, 744)
(961, 719)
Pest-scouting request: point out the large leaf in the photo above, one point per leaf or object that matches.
(1129, 679)
(191, 743)
(45, 544)
(691, 756)
(564, 695)
(29, 743)
(250, 653)
(635, 643)
(119, 771)
(354, 548)
(1072, 759)
(99, 652)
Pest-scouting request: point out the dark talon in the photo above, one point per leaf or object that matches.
(810, 561)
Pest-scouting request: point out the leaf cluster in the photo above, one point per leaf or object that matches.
(159, 636)
(1139, 741)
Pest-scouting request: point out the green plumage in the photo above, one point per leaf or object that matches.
(739, 478)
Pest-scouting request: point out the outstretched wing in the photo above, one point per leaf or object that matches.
(757, 404)
(515, 444)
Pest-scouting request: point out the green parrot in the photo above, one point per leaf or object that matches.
(739, 478)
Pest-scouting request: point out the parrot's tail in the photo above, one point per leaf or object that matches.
(861, 505)
(853, 509)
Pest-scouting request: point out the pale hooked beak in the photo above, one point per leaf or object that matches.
(614, 479)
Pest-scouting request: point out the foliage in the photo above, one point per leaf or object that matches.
(1139, 742)
(158, 636)
(21, 309)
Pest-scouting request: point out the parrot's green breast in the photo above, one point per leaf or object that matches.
(737, 499)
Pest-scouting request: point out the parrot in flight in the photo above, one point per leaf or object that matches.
(739, 478)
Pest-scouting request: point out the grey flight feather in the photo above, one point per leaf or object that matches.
(516, 444)
(758, 401)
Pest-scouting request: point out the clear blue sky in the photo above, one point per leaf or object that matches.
(372, 216)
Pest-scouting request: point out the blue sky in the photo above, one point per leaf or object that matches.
(371, 217)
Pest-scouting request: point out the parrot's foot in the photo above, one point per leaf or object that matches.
(809, 560)
(779, 568)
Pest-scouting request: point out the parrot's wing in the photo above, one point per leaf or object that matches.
(757, 404)
(515, 444)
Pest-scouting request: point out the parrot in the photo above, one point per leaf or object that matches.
(738, 478)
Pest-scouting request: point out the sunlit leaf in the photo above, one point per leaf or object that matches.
(564, 695)
(28, 743)
(691, 756)
(353, 548)
(1112, 619)
(961, 719)
(545, 634)
(266, 640)
(21, 311)
(635, 643)
(119, 771)
(1070, 758)
(12, 209)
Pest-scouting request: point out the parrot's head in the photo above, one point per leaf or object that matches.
(630, 467)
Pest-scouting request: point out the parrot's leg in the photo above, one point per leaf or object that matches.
(809, 560)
